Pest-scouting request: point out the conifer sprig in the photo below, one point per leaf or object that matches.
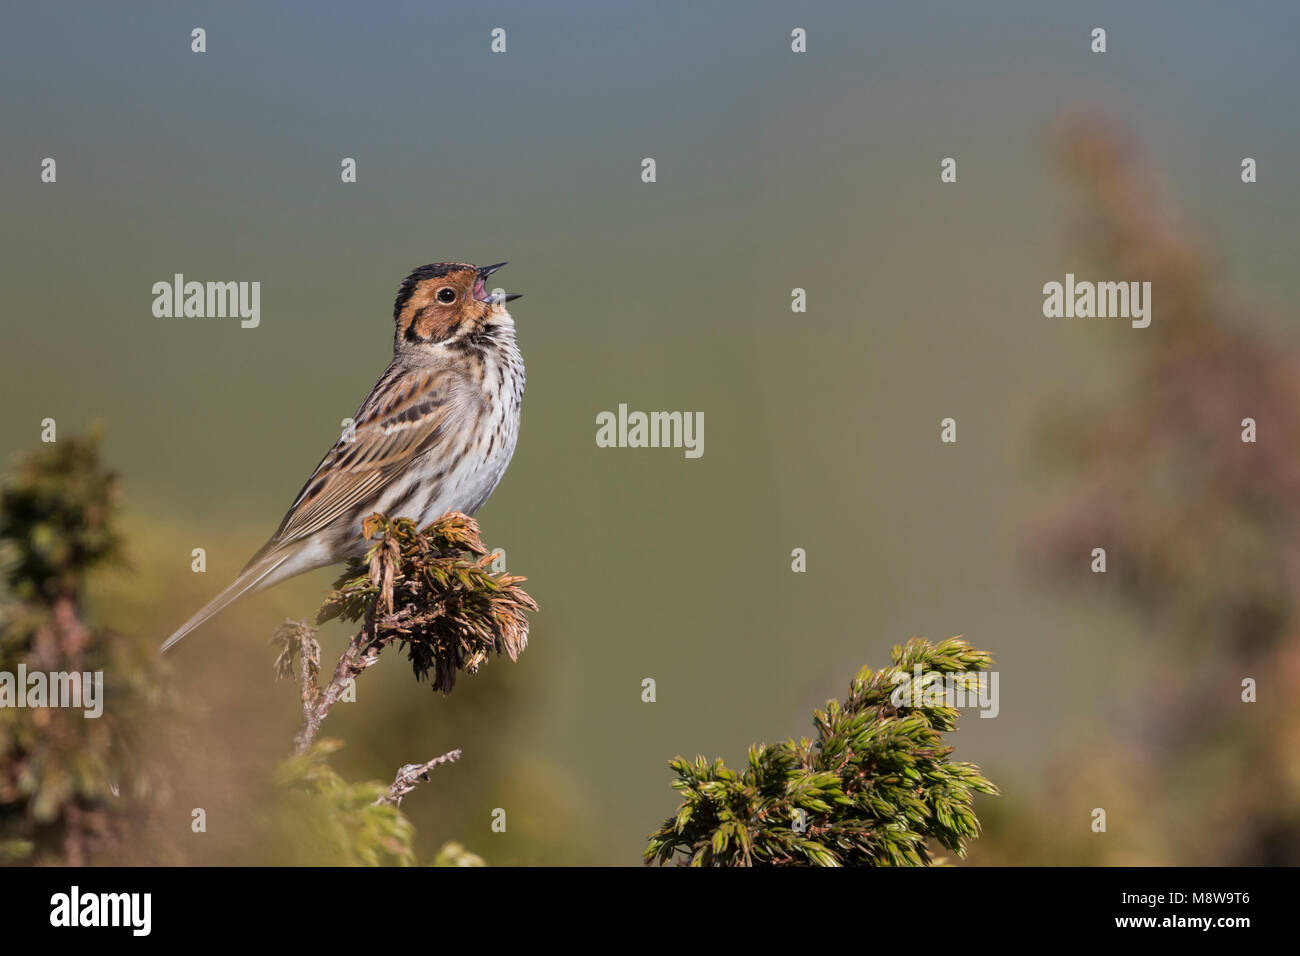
(433, 591)
(872, 790)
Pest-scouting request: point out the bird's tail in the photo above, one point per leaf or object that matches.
(248, 580)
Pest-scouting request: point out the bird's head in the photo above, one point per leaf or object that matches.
(446, 301)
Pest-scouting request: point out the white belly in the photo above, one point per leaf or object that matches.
(473, 479)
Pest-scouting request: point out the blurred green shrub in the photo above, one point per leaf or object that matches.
(71, 787)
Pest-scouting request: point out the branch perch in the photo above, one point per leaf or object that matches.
(299, 639)
(430, 591)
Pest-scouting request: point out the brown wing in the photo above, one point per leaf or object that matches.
(406, 413)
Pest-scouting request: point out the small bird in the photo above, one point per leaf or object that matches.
(434, 435)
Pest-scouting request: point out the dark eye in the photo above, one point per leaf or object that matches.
(446, 295)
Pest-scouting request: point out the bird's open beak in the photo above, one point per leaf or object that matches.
(480, 287)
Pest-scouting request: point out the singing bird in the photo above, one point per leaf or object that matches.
(434, 435)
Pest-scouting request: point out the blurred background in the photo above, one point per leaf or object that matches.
(775, 170)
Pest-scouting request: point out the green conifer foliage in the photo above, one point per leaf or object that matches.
(873, 788)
